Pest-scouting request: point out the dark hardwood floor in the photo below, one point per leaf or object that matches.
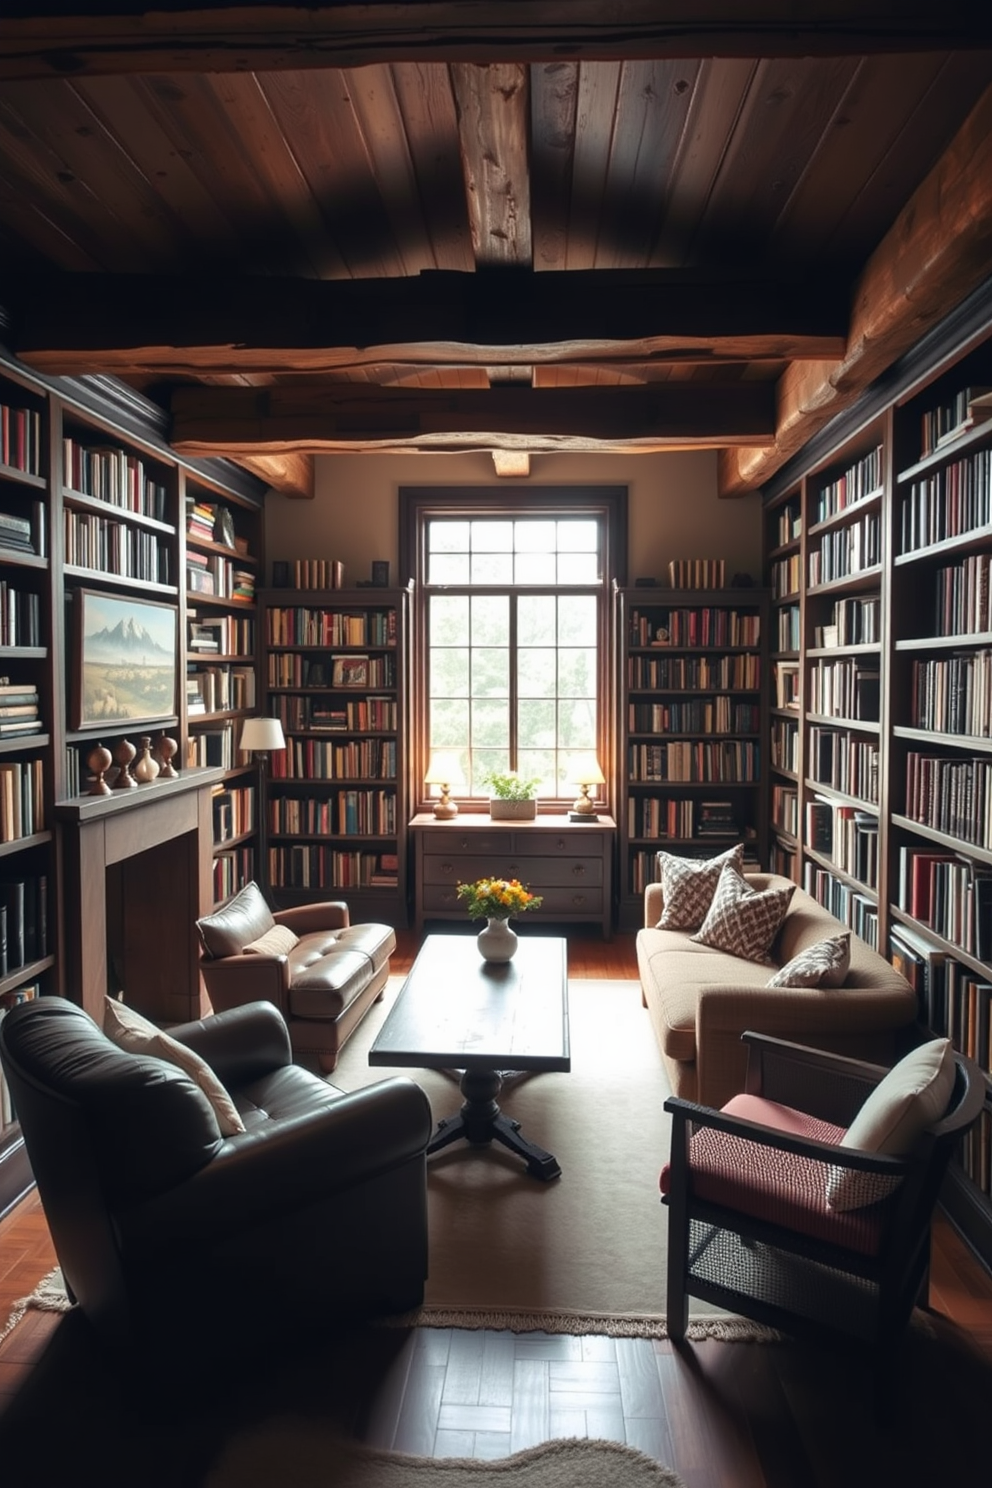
(724, 1415)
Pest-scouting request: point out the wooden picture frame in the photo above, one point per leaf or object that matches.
(350, 671)
(126, 660)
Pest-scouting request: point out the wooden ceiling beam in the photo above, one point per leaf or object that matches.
(147, 325)
(322, 419)
(938, 250)
(290, 474)
(41, 39)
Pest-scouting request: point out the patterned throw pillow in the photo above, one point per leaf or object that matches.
(822, 965)
(278, 941)
(742, 920)
(689, 885)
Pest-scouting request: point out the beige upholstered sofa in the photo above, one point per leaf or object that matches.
(701, 1000)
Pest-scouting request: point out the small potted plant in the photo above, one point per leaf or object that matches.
(512, 796)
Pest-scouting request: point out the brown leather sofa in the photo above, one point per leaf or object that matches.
(166, 1229)
(322, 972)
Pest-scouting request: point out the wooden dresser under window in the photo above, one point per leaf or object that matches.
(570, 864)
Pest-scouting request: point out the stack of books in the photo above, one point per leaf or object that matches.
(18, 709)
(15, 533)
(200, 520)
(199, 576)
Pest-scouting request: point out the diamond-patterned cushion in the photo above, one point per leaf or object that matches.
(822, 965)
(689, 885)
(742, 920)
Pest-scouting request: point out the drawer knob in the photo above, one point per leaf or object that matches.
(514, 869)
(561, 844)
(447, 867)
(463, 843)
(578, 870)
(578, 900)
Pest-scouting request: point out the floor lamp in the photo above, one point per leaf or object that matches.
(259, 736)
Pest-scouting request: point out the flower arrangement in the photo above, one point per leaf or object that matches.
(497, 898)
(507, 785)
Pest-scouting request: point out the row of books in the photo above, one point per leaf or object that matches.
(951, 894)
(785, 809)
(299, 626)
(948, 502)
(9, 1000)
(714, 715)
(25, 531)
(847, 688)
(954, 416)
(20, 616)
(233, 810)
(680, 817)
(844, 761)
(847, 550)
(214, 745)
(220, 689)
(22, 798)
(19, 704)
(859, 482)
(844, 902)
(308, 573)
(786, 576)
(855, 621)
(107, 546)
(212, 573)
(365, 715)
(695, 761)
(964, 597)
(113, 475)
(23, 922)
(232, 869)
(847, 836)
(954, 1002)
(953, 796)
(788, 524)
(347, 813)
(714, 626)
(20, 438)
(785, 744)
(317, 759)
(697, 573)
(317, 867)
(789, 628)
(788, 683)
(222, 635)
(953, 694)
(740, 673)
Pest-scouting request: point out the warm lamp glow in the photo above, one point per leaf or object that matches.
(585, 771)
(442, 770)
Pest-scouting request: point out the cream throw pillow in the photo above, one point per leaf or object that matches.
(822, 965)
(913, 1095)
(278, 941)
(741, 920)
(129, 1030)
(688, 886)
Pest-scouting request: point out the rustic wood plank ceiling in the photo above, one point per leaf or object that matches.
(436, 203)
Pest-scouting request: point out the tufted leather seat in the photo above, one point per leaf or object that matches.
(323, 984)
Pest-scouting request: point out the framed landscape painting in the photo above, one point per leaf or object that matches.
(126, 660)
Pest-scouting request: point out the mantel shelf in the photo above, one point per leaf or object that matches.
(87, 808)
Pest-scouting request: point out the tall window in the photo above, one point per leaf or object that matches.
(512, 616)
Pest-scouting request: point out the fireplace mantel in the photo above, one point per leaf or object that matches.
(138, 875)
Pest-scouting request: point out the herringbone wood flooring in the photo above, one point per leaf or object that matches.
(723, 1415)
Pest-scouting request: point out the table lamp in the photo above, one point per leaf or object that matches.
(585, 772)
(442, 770)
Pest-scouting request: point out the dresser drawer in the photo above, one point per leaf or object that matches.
(564, 844)
(456, 841)
(557, 901)
(536, 873)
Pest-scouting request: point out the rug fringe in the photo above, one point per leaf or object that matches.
(48, 1296)
(726, 1329)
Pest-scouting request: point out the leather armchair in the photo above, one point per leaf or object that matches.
(323, 978)
(163, 1227)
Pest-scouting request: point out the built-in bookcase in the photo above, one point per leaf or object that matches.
(881, 732)
(337, 802)
(693, 712)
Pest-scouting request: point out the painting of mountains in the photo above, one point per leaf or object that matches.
(127, 660)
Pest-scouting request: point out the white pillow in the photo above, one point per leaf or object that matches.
(688, 886)
(741, 920)
(822, 965)
(129, 1030)
(278, 941)
(913, 1095)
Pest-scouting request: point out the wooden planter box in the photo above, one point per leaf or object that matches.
(512, 810)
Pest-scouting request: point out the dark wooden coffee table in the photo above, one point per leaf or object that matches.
(456, 1011)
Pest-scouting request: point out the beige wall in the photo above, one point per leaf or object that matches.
(673, 511)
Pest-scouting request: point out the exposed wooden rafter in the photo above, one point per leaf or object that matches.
(321, 419)
(39, 39)
(142, 325)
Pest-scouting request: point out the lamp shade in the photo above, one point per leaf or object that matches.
(262, 734)
(584, 770)
(444, 768)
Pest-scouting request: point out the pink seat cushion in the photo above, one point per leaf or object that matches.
(780, 1187)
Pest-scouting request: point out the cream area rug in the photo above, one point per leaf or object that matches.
(585, 1253)
(307, 1456)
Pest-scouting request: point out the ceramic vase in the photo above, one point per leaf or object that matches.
(497, 942)
(146, 766)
